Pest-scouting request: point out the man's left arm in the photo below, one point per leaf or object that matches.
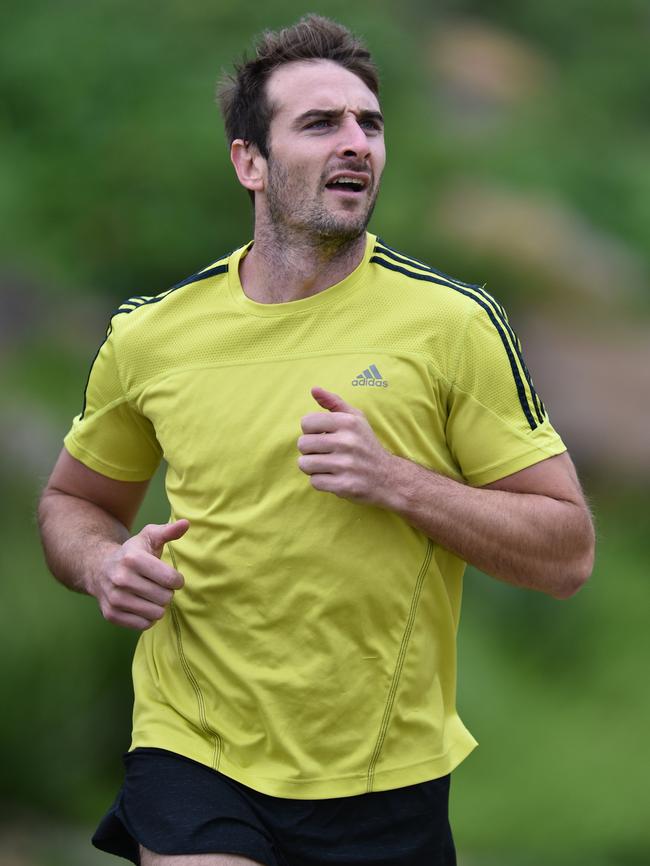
(532, 528)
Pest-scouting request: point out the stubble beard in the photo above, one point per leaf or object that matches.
(291, 213)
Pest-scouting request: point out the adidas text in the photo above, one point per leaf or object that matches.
(370, 383)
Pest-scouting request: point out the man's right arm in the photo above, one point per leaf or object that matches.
(85, 520)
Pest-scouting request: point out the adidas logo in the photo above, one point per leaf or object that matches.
(370, 378)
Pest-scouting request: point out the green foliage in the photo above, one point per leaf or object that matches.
(115, 172)
(554, 692)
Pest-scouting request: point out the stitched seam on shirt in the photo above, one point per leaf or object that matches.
(216, 753)
(461, 342)
(134, 393)
(398, 666)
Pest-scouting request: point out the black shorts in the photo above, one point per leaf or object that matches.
(173, 805)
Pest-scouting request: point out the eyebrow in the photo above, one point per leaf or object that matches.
(334, 113)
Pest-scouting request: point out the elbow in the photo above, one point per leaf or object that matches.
(579, 572)
(570, 585)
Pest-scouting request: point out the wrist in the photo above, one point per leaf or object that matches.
(395, 492)
(411, 487)
(104, 553)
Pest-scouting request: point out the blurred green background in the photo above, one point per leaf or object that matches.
(519, 140)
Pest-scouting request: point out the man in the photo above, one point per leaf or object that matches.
(343, 429)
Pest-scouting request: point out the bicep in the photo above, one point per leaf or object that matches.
(122, 499)
(554, 477)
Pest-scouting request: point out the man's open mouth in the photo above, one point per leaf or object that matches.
(347, 183)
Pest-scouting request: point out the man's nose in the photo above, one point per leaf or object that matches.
(353, 140)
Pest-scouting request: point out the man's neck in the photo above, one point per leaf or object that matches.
(279, 269)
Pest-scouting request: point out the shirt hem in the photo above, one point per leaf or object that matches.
(116, 473)
(348, 786)
(523, 461)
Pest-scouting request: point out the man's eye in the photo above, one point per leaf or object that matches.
(371, 124)
(319, 124)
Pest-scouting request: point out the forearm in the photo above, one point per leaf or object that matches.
(535, 530)
(77, 536)
(529, 540)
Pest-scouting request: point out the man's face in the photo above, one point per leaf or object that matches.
(327, 150)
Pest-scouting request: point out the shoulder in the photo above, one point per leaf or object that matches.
(144, 312)
(415, 269)
(434, 287)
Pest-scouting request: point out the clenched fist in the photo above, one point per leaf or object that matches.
(341, 453)
(133, 586)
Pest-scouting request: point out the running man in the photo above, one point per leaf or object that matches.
(343, 427)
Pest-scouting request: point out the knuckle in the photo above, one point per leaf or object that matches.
(346, 439)
(119, 579)
(130, 559)
(111, 596)
(110, 615)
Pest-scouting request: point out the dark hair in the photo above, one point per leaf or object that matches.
(242, 96)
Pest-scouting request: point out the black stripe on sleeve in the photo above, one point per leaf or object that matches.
(537, 403)
(470, 293)
(516, 344)
(202, 275)
(138, 301)
(382, 246)
(540, 410)
(92, 364)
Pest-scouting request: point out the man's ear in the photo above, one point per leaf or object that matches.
(249, 164)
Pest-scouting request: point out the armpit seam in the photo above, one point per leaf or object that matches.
(517, 431)
(461, 342)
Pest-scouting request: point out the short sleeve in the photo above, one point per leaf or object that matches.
(110, 435)
(497, 423)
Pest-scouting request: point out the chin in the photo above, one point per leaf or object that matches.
(340, 226)
(341, 232)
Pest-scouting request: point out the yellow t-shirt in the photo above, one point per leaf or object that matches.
(312, 650)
